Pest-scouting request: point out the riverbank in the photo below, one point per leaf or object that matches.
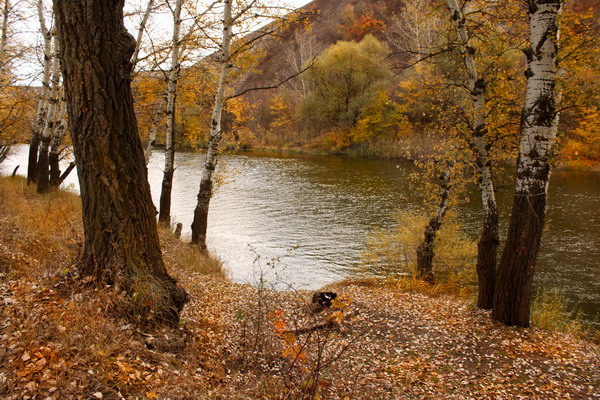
(402, 151)
(62, 338)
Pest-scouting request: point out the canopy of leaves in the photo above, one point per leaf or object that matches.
(344, 81)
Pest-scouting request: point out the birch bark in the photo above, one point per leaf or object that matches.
(199, 224)
(42, 109)
(538, 131)
(140, 34)
(488, 241)
(4, 33)
(43, 179)
(164, 215)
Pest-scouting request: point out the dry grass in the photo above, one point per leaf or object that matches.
(63, 337)
(182, 256)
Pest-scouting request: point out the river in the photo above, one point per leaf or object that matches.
(301, 221)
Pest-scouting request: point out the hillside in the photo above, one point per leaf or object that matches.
(327, 21)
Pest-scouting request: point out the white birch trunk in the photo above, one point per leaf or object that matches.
(4, 33)
(538, 130)
(46, 137)
(140, 34)
(487, 248)
(167, 183)
(540, 118)
(199, 224)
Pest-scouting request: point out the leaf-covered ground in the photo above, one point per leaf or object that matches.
(61, 337)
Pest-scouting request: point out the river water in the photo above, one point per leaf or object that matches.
(301, 221)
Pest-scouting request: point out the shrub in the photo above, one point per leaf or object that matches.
(392, 252)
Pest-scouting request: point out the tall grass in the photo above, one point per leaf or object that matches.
(391, 254)
(550, 310)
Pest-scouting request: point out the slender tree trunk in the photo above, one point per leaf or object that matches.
(538, 131)
(43, 180)
(200, 222)
(59, 131)
(4, 33)
(42, 110)
(121, 240)
(425, 251)
(164, 215)
(487, 247)
(140, 34)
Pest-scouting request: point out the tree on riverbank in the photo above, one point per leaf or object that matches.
(538, 131)
(488, 243)
(121, 241)
(42, 111)
(242, 57)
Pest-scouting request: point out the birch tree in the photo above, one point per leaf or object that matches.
(200, 221)
(60, 123)
(538, 131)
(43, 179)
(164, 215)
(32, 173)
(488, 242)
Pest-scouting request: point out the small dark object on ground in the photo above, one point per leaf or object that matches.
(322, 300)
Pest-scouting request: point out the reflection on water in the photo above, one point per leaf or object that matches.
(313, 215)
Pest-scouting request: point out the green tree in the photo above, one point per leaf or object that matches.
(344, 81)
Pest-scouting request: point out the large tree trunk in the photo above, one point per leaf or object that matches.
(164, 215)
(43, 179)
(200, 222)
(488, 243)
(425, 251)
(538, 131)
(121, 239)
(42, 110)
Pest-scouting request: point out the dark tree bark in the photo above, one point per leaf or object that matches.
(487, 254)
(121, 239)
(425, 251)
(65, 174)
(4, 149)
(43, 163)
(164, 215)
(34, 147)
(54, 156)
(538, 130)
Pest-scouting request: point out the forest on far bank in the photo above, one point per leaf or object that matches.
(377, 79)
